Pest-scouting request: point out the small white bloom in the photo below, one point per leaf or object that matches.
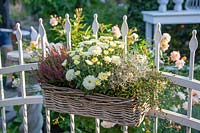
(135, 36)
(174, 108)
(89, 62)
(107, 59)
(95, 50)
(16, 82)
(116, 60)
(76, 57)
(181, 95)
(89, 82)
(180, 63)
(77, 73)
(166, 37)
(113, 44)
(107, 124)
(185, 105)
(70, 75)
(103, 76)
(64, 63)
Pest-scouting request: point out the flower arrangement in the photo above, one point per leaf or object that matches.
(98, 67)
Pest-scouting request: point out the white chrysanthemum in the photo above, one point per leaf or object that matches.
(16, 82)
(95, 50)
(76, 57)
(103, 45)
(113, 44)
(107, 124)
(70, 75)
(77, 73)
(89, 82)
(107, 59)
(103, 76)
(116, 60)
(181, 95)
(64, 63)
(89, 62)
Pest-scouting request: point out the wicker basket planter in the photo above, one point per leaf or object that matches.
(117, 110)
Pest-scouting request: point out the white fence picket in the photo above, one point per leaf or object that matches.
(3, 111)
(193, 47)
(68, 31)
(22, 76)
(95, 26)
(124, 30)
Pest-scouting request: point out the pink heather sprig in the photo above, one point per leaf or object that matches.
(51, 70)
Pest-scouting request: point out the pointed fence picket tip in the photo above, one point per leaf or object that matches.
(124, 28)
(67, 24)
(18, 32)
(41, 28)
(193, 44)
(95, 26)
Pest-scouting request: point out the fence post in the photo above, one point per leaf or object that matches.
(193, 47)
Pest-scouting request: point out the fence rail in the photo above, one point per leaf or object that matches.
(187, 82)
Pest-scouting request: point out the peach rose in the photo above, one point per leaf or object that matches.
(175, 55)
(116, 31)
(165, 39)
(180, 63)
(53, 21)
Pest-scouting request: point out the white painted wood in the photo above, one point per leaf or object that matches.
(125, 129)
(95, 26)
(178, 5)
(48, 123)
(162, 5)
(42, 33)
(124, 30)
(34, 34)
(157, 38)
(22, 76)
(176, 117)
(97, 121)
(3, 111)
(68, 31)
(72, 123)
(20, 100)
(192, 5)
(193, 47)
(148, 32)
(19, 68)
(183, 81)
(28, 57)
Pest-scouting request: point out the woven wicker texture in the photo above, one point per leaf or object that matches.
(117, 110)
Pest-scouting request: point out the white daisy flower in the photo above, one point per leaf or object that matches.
(89, 82)
(70, 75)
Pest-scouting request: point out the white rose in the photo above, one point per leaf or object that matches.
(53, 21)
(116, 31)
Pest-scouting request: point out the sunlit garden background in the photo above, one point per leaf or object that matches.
(110, 13)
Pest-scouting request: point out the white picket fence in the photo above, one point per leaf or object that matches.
(187, 82)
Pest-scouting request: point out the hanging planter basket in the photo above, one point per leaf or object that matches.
(117, 110)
